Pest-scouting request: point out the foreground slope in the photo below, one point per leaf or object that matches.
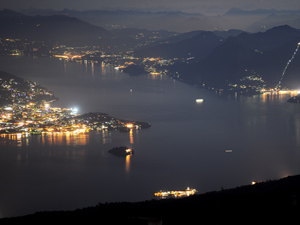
(269, 202)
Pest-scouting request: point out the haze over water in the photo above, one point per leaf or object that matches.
(185, 146)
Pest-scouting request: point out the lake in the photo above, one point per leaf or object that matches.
(222, 142)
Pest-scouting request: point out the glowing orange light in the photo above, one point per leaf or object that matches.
(129, 125)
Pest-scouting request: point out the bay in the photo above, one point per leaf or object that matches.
(187, 144)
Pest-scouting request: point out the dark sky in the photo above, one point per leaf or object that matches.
(202, 6)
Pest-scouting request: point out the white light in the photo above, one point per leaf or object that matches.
(199, 100)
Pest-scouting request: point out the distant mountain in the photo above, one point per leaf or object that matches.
(175, 21)
(228, 33)
(273, 20)
(191, 44)
(256, 20)
(266, 53)
(58, 28)
(237, 11)
(72, 31)
(199, 46)
(133, 37)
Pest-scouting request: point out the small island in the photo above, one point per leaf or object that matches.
(121, 151)
(295, 99)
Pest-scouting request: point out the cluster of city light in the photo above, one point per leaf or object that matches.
(280, 92)
(36, 119)
(185, 193)
(68, 56)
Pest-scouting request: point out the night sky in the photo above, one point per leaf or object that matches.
(202, 6)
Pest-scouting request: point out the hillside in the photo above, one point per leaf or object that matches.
(66, 30)
(268, 202)
(56, 28)
(17, 90)
(197, 44)
(266, 53)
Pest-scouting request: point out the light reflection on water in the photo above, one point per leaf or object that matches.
(185, 146)
(47, 138)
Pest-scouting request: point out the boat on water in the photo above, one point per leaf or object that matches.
(121, 151)
(199, 100)
(185, 193)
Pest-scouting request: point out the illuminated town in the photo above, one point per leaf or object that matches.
(26, 108)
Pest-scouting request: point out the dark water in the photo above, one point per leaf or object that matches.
(186, 145)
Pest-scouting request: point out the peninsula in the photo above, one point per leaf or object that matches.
(25, 108)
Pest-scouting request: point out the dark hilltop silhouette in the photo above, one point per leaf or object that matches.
(270, 202)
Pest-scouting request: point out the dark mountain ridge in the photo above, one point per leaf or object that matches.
(56, 28)
(73, 32)
(197, 44)
(274, 20)
(229, 61)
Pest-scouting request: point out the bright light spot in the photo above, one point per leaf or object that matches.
(8, 108)
(199, 100)
(129, 125)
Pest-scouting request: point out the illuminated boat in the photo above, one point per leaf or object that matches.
(164, 194)
(199, 100)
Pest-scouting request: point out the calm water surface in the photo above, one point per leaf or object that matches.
(186, 145)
